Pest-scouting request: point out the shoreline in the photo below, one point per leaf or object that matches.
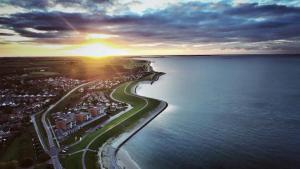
(122, 157)
(111, 155)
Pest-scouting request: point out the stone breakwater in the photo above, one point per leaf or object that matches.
(111, 157)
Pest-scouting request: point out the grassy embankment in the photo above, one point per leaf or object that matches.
(72, 138)
(115, 127)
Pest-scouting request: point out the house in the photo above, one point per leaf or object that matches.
(93, 111)
(61, 123)
(82, 116)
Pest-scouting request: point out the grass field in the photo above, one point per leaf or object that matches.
(72, 162)
(81, 132)
(21, 147)
(115, 127)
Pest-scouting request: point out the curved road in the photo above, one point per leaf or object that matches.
(125, 91)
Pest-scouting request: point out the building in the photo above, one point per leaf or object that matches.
(82, 116)
(61, 124)
(102, 109)
(93, 111)
(64, 120)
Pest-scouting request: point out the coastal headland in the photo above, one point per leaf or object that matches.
(60, 111)
(84, 154)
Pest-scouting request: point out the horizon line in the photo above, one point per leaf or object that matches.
(149, 55)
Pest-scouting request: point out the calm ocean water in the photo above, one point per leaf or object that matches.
(224, 112)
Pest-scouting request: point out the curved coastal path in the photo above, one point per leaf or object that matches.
(83, 155)
(109, 151)
(116, 99)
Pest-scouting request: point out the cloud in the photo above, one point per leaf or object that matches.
(251, 24)
(255, 10)
(6, 34)
(29, 4)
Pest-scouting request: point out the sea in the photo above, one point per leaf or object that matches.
(225, 112)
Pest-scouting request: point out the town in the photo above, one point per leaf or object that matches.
(93, 104)
(23, 99)
(27, 93)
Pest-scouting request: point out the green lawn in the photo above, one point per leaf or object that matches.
(116, 126)
(72, 162)
(91, 160)
(20, 148)
(81, 132)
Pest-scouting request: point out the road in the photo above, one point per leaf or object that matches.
(38, 133)
(53, 150)
(101, 125)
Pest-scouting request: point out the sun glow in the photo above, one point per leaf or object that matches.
(97, 50)
(99, 36)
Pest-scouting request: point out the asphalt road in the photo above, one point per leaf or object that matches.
(113, 164)
(39, 134)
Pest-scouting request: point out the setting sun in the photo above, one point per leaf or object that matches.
(97, 50)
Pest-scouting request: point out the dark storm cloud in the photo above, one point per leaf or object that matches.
(84, 3)
(49, 24)
(60, 23)
(45, 4)
(189, 23)
(28, 4)
(45, 20)
(255, 10)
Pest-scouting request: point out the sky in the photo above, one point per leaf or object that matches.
(148, 27)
